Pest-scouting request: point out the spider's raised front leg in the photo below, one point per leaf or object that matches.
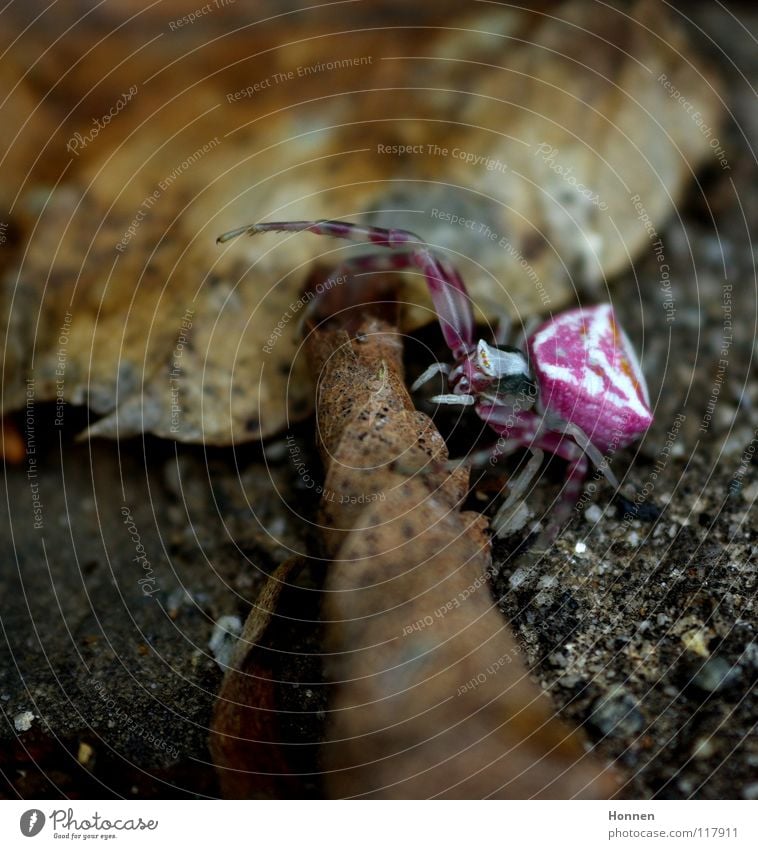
(446, 288)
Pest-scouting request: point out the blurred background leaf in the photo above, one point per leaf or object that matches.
(281, 112)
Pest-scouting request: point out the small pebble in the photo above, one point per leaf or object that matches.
(519, 577)
(703, 747)
(750, 791)
(278, 527)
(176, 600)
(617, 714)
(85, 753)
(716, 674)
(593, 514)
(224, 638)
(580, 547)
(696, 640)
(23, 721)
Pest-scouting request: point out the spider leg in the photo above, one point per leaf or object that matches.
(505, 520)
(516, 431)
(527, 432)
(591, 450)
(638, 510)
(644, 511)
(486, 456)
(338, 229)
(576, 474)
(434, 368)
(446, 288)
(460, 400)
(578, 466)
(490, 456)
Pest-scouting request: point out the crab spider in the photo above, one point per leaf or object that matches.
(577, 391)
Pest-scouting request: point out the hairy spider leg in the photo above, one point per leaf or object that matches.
(446, 288)
(576, 474)
(429, 373)
(503, 519)
(526, 430)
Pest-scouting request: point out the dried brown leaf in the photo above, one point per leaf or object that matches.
(432, 696)
(243, 738)
(370, 436)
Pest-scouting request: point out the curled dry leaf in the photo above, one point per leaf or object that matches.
(431, 696)
(480, 146)
(371, 438)
(243, 738)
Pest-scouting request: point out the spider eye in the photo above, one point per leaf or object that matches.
(500, 362)
(512, 381)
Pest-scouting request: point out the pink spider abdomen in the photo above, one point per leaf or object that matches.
(589, 375)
